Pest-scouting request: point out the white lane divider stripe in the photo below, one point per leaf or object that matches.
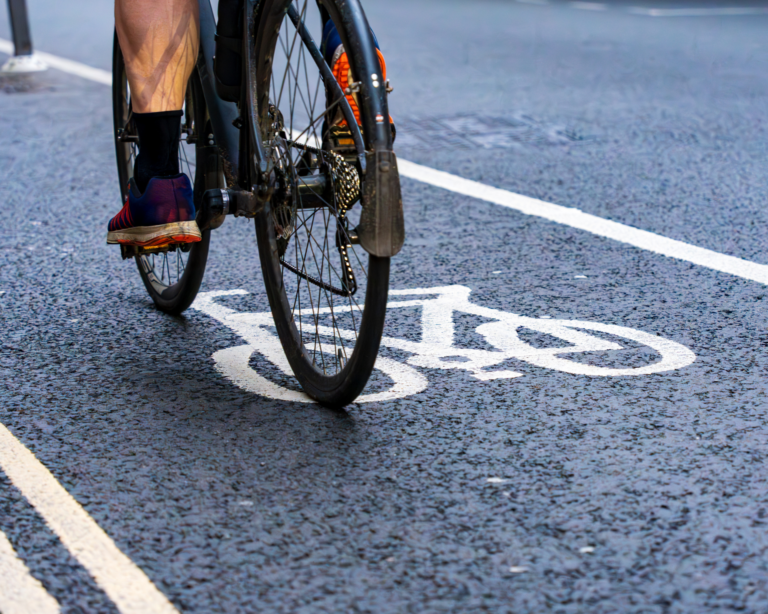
(123, 582)
(20, 592)
(587, 222)
(554, 213)
(733, 11)
(69, 66)
(589, 6)
(724, 11)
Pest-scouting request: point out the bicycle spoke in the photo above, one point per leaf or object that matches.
(314, 269)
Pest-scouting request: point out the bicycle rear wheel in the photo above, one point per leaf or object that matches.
(328, 296)
(172, 275)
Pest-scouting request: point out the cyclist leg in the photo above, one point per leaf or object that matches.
(159, 40)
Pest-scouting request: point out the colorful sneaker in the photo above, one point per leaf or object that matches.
(163, 215)
(337, 59)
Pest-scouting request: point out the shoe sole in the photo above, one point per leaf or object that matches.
(156, 236)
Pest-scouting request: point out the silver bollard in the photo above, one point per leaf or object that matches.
(23, 60)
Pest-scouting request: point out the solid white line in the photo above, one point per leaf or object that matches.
(589, 6)
(69, 66)
(590, 223)
(20, 592)
(700, 12)
(123, 582)
(559, 214)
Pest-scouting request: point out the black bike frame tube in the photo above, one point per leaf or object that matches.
(249, 33)
(222, 113)
(358, 41)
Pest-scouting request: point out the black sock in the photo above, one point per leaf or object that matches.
(159, 135)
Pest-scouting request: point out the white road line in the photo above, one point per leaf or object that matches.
(20, 592)
(123, 582)
(589, 6)
(590, 223)
(538, 2)
(698, 12)
(69, 66)
(559, 214)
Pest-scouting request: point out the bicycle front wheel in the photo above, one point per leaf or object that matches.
(328, 296)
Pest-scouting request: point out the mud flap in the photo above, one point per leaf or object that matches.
(382, 227)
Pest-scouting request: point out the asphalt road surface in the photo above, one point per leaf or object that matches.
(624, 476)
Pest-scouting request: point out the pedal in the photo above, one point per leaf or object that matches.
(131, 251)
(341, 141)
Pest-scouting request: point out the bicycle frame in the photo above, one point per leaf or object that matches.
(223, 114)
(381, 231)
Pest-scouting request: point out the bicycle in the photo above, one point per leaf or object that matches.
(268, 158)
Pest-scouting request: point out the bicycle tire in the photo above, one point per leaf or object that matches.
(302, 292)
(171, 277)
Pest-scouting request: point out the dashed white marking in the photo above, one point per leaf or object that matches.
(733, 11)
(20, 591)
(518, 569)
(530, 206)
(497, 480)
(587, 549)
(587, 222)
(123, 582)
(537, 2)
(589, 6)
(69, 66)
(2, 292)
(496, 272)
(579, 276)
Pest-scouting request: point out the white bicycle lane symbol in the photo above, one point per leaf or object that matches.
(437, 348)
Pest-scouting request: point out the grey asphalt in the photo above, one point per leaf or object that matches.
(231, 502)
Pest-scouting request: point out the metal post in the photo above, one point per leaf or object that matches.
(23, 61)
(22, 41)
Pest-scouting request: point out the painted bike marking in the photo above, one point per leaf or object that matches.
(438, 347)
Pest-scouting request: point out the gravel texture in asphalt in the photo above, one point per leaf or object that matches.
(550, 491)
